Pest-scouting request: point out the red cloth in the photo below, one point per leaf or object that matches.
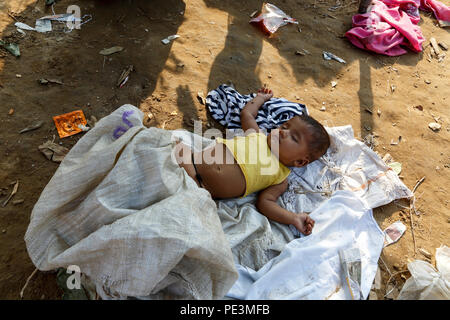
(390, 26)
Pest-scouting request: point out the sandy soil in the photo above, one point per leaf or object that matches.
(217, 45)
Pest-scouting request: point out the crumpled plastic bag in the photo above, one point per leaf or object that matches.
(427, 283)
(271, 18)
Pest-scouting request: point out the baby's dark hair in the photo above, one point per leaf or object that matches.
(320, 138)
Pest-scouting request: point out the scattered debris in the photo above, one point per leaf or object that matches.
(398, 141)
(368, 110)
(34, 126)
(43, 25)
(396, 167)
(333, 84)
(393, 87)
(150, 120)
(14, 191)
(70, 21)
(201, 98)
(92, 121)
(271, 18)
(425, 253)
(412, 204)
(23, 26)
(323, 108)
(44, 81)
(67, 124)
(427, 81)
(387, 158)
(393, 233)
(124, 76)
(418, 107)
(434, 126)
(443, 45)
(253, 13)
(303, 52)
(379, 112)
(329, 56)
(435, 46)
(170, 38)
(11, 48)
(83, 127)
(16, 202)
(350, 260)
(28, 280)
(369, 140)
(18, 76)
(53, 151)
(112, 50)
(11, 112)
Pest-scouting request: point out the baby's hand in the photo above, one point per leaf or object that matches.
(265, 93)
(304, 223)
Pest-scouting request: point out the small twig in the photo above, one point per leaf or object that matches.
(36, 169)
(10, 14)
(400, 206)
(413, 203)
(26, 283)
(417, 184)
(385, 266)
(411, 208)
(14, 191)
(389, 280)
(412, 231)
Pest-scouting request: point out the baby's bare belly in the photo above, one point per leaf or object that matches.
(220, 173)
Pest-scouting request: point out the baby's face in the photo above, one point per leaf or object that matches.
(290, 142)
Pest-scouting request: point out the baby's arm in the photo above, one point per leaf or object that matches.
(267, 205)
(250, 110)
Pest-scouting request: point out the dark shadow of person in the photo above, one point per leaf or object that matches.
(324, 32)
(89, 83)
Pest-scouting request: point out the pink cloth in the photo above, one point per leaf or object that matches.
(390, 26)
(440, 10)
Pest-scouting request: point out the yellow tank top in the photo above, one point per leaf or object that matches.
(259, 165)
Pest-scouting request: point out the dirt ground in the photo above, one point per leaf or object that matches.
(217, 45)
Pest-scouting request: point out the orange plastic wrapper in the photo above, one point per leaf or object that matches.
(68, 124)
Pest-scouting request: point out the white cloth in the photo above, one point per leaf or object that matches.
(348, 165)
(309, 267)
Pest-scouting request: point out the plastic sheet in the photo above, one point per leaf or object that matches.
(271, 18)
(427, 283)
